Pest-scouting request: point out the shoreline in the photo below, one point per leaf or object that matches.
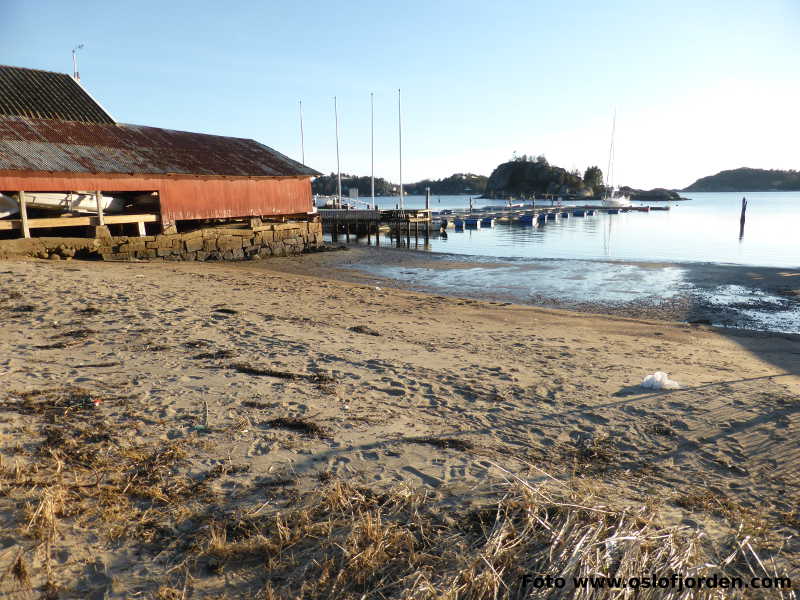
(385, 266)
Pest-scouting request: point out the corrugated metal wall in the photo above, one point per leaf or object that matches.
(183, 197)
(214, 198)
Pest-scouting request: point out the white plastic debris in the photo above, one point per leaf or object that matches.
(659, 381)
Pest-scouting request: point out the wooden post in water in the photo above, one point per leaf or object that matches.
(742, 218)
(23, 215)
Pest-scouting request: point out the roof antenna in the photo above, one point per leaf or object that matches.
(75, 75)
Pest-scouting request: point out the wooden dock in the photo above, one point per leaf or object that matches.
(424, 223)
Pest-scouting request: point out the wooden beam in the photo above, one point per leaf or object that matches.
(23, 213)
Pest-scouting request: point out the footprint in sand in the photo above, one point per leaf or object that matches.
(426, 479)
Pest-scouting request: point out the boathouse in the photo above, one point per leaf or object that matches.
(56, 140)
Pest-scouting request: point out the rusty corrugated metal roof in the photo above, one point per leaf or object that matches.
(35, 144)
(42, 94)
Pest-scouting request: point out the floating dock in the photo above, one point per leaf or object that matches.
(424, 222)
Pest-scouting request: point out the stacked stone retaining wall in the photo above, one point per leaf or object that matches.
(217, 243)
(214, 243)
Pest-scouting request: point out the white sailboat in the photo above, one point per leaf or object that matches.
(613, 197)
(81, 202)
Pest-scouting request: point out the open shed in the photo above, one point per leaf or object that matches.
(55, 139)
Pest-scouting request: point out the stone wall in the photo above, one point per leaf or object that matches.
(217, 243)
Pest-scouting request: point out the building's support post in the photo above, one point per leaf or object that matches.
(142, 230)
(98, 197)
(23, 215)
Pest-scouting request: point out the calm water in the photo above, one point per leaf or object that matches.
(704, 229)
(615, 259)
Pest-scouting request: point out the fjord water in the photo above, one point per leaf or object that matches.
(702, 229)
(627, 258)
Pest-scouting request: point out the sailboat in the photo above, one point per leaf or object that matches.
(613, 197)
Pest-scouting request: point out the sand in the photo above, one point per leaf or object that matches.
(216, 355)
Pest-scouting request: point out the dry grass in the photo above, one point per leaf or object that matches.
(339, 541)
(714, 502)
(593, 454)
(346, 542)
(20, 572)
(451, 443)
(319, 378)
(299, 426)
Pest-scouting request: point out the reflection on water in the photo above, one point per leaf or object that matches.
(705, 229)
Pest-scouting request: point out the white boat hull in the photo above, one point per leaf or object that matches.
(617, 201)
(76, 202)
(8, 206)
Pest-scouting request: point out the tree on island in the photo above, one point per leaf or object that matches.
(593, 178)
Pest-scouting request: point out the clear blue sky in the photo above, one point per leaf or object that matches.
(698, 86)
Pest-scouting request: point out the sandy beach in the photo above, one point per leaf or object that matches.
(249, 389)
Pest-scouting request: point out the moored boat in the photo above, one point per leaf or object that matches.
(472, 222)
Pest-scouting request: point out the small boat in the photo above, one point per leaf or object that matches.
(487, 222)
(578, 213)
(458, 223)
(472, 222)
(591, 213)
(552, 216)
(612, 211)
(528, 220)
(565, 215)
(80, 202)
(541, 218)
(617, 200)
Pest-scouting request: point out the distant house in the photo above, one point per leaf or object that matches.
(54, 137)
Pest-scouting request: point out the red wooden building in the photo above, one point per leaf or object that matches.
(55, 138)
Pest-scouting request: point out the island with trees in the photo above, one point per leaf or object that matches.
(534, 177)
(746, 179)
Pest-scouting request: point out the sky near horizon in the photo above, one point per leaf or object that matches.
(698, 86)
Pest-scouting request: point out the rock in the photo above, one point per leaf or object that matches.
(54, 256)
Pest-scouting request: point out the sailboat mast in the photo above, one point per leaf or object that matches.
(302, 142)
(372, 147)
(338, 168)
(400, 143)
(609, 171)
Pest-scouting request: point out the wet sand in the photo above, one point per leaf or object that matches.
(223, 359)
(754, 298)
